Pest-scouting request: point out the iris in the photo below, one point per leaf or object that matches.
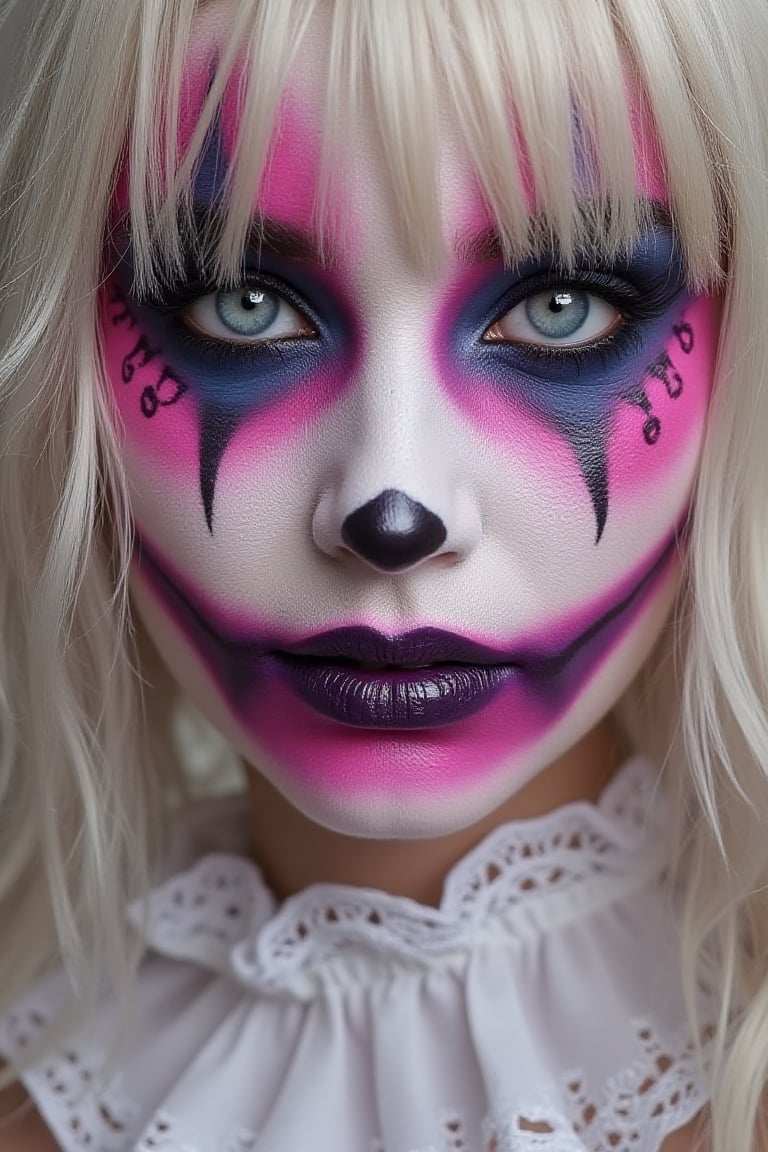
(558, 315)
(247, 311)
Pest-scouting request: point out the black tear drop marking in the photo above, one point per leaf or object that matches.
(216, 430)
(588, 442)
(392, 531)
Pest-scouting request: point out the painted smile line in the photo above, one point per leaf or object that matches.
(426, 678)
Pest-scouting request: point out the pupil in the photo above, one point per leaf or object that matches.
(559, 313)
(248, 311)
(251, 300)
(559, 301)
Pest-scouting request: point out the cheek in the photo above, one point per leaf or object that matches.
(656, 434)
(603, 451)
(151, 398)
(168, 408)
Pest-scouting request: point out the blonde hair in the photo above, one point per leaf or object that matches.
(84, 764)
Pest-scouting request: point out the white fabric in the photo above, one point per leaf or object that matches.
(538, 1008)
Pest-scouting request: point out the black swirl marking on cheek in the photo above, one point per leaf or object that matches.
(664, 370)
(685, 337)
(168, 390)
(217, 427)
(652, 425)
(588, 441)
(139, 357)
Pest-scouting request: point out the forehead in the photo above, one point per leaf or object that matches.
(356, 181)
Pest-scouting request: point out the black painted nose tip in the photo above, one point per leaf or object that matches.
(392, 531)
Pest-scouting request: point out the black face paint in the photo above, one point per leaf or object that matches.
(577, 387)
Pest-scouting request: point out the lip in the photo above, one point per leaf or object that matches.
(360, 678)
(420, 646)
(422, 679)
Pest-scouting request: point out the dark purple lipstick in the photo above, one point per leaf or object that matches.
(422, 679)
(425, 678)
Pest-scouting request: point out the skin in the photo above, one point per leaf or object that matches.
(563, 490)
(562, 485)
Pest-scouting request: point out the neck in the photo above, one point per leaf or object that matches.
(294, 852)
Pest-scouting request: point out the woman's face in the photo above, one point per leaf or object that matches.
(406, 537)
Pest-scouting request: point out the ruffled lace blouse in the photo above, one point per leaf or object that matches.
(539, 1007)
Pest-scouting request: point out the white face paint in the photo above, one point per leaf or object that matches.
(406, 538)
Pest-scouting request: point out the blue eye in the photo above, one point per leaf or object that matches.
(249, 311)
(563, 316)
(558, 315)
(248, 314)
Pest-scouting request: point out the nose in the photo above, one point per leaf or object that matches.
(395, 488)
(393, 532)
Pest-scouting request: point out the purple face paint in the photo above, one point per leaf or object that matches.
(608, 401)
(259, 420)
(315, 702)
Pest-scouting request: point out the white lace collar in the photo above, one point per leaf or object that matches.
(538, 1008)
(221, 914)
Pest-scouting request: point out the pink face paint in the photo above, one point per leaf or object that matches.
(164, 384)
(370, 741)
(559, 500)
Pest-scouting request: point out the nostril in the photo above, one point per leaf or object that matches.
(392, 531)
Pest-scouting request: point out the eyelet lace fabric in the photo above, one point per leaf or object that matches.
(538, 1008)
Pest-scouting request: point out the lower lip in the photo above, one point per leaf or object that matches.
(397, 698)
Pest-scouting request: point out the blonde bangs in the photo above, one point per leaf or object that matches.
(549, 102)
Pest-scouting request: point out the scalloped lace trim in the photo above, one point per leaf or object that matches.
(220, 912)
(635, 1111)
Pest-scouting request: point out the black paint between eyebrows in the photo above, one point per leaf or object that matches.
(487, 245)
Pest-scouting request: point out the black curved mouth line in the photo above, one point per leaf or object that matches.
(237, 663)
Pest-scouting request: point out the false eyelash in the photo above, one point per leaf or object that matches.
(646, 300)
(638, 303)
(176, 297)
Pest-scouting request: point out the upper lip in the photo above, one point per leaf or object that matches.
(419, 647)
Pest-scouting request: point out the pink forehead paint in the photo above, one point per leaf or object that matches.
(476, 218)
(649, 164)
(195, 83)
(290, 180)
(289, 185)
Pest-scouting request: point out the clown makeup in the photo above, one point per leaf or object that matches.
(406, 536)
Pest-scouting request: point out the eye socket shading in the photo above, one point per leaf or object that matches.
(564, 316)
(248, 314)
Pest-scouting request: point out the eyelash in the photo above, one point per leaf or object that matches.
(637, 305)
(180, 295)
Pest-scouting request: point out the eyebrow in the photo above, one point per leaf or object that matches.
(264, 235)
(477, 249)
(487, 245)
(284, 240)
